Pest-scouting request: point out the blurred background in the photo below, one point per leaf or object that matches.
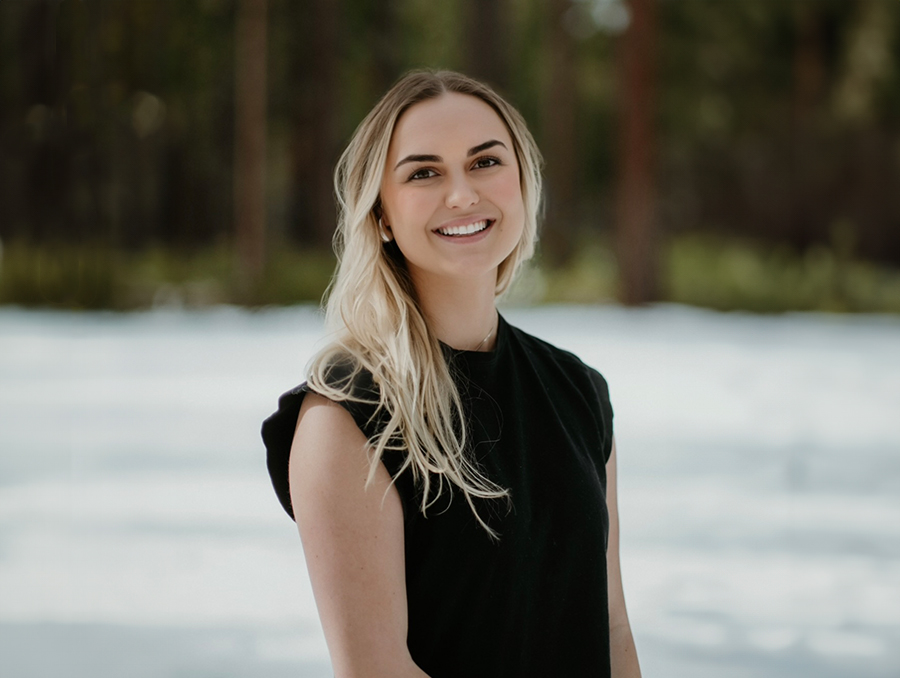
(721, 239)
(723, 154)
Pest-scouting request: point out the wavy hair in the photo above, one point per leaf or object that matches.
(372, 308)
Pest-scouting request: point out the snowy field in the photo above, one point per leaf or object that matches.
(139, 536)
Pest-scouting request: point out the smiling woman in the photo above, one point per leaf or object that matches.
(455, 181)
(452, 477)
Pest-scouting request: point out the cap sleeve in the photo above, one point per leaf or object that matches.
(278, 430)
(278, 435)
(601, 389)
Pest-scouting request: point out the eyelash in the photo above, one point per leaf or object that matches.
(476, 165)
(415, 175)
(494, 161)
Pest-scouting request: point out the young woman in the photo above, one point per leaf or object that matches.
(453, 478)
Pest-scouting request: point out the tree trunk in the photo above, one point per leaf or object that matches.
(47, 182)
(808, 83)
(250, 138)
(560, 144)
(315, 136)
(636, 199)
(486, 41)
(385, 38)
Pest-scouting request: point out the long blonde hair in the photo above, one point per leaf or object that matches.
(372, 307)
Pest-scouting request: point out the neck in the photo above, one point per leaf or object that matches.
(461, 313)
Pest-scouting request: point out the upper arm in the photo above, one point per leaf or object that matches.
(617, 612)
(353, 542)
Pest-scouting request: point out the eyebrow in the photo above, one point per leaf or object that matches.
(436, 158)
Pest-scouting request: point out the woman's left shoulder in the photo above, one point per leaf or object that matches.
(550, 355)
(568, 377)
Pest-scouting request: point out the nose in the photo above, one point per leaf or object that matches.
(460, 192)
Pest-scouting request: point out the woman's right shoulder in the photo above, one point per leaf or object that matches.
(322, 414)
(346, 407)
(326, 439)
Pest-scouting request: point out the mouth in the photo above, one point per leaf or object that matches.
(465, 230)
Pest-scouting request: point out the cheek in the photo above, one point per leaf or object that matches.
(407, 208)
(508, 194)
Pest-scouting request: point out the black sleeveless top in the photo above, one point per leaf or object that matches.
(534, 603)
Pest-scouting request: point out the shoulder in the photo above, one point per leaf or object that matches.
(562, 370)
(328, 414)
(543, 348)
(327, 444)
(548, 356)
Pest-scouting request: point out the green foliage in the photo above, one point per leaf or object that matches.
(774, 119)
(160, 276)
(591, 277)
(699, 270)
(292, 276)
(164, 277)
(57, 276)
(733, 275)
(727, 275)
(93, 277)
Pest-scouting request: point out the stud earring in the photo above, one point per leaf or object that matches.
(383, 231)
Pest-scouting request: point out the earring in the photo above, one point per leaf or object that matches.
(383, 231)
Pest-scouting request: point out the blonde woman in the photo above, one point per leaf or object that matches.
(453, 478)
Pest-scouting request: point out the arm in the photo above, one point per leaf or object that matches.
(353, 542)
(623, 654)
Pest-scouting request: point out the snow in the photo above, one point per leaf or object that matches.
(759, 472)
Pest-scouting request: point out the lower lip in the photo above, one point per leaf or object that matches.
(474, 237)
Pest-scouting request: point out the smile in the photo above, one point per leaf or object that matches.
(468, 229)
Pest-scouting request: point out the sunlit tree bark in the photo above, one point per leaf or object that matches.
(636, 200)
(868, 65)
(250, 138)
(869, 43)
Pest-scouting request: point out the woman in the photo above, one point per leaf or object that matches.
(452, 477)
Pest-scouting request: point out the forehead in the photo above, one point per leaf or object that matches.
(450, 121)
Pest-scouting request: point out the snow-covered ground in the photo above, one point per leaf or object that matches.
(759, 474)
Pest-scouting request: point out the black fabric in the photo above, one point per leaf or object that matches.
(534, 603)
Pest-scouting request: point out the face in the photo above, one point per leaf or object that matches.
(451, 195)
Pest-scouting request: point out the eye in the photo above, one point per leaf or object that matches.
(424, 173)
(486, 161)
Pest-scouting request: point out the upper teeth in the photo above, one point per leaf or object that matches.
(468, 229)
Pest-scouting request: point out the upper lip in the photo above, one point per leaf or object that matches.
(465, 221)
